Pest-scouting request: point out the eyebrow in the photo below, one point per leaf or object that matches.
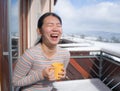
(53, 23)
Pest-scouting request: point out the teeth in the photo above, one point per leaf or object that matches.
(54, 35)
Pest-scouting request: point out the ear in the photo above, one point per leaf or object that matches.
(39, 31)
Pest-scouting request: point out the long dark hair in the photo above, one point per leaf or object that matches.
(41, 20)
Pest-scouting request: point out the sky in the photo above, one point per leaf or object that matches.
(89, 15)
(14, 16)
(81, 15)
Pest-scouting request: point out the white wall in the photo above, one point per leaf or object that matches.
(37, 8)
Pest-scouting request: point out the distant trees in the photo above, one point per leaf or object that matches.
(82, 36)
(113, 39)
(99, 38)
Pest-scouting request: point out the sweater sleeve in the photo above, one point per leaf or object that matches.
(67, 58)
(21, 76)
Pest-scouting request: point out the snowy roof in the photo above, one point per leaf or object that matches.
(80, 47)
(89, 45)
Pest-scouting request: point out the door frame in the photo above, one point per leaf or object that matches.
(4, 46)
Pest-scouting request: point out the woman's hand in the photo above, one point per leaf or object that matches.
(62, 74)
(49, 73)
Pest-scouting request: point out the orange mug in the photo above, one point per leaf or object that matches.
(57, 69)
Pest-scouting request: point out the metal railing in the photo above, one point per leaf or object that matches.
(95, 62)
(103, 64)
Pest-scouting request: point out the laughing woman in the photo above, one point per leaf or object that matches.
(33, 69)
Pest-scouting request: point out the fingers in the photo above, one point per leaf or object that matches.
(49, 73)
(62, 74)
(51, 76)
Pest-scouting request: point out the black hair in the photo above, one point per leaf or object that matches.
(41, 20)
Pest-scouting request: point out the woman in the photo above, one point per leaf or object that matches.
(33, 69)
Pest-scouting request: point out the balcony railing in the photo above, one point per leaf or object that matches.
(91, 63)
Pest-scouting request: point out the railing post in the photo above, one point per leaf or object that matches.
(100, 65)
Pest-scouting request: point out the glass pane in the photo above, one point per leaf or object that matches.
(14, 29)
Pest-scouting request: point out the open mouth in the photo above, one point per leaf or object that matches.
(54, 36)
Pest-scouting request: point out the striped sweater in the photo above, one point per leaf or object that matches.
(27, 72)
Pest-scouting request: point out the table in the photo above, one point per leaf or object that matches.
(81, 85)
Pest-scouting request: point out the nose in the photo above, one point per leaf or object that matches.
(56, 28)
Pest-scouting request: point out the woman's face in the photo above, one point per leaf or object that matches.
(51, 31)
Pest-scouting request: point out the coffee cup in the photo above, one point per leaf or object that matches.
(57, 69)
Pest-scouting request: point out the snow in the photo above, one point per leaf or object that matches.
(89, 45)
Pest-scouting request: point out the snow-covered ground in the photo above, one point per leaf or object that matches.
(91, 45)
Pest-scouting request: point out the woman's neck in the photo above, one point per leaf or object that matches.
(49, 51)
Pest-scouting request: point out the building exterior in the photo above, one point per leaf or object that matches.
(4, 46)
(29, 12)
